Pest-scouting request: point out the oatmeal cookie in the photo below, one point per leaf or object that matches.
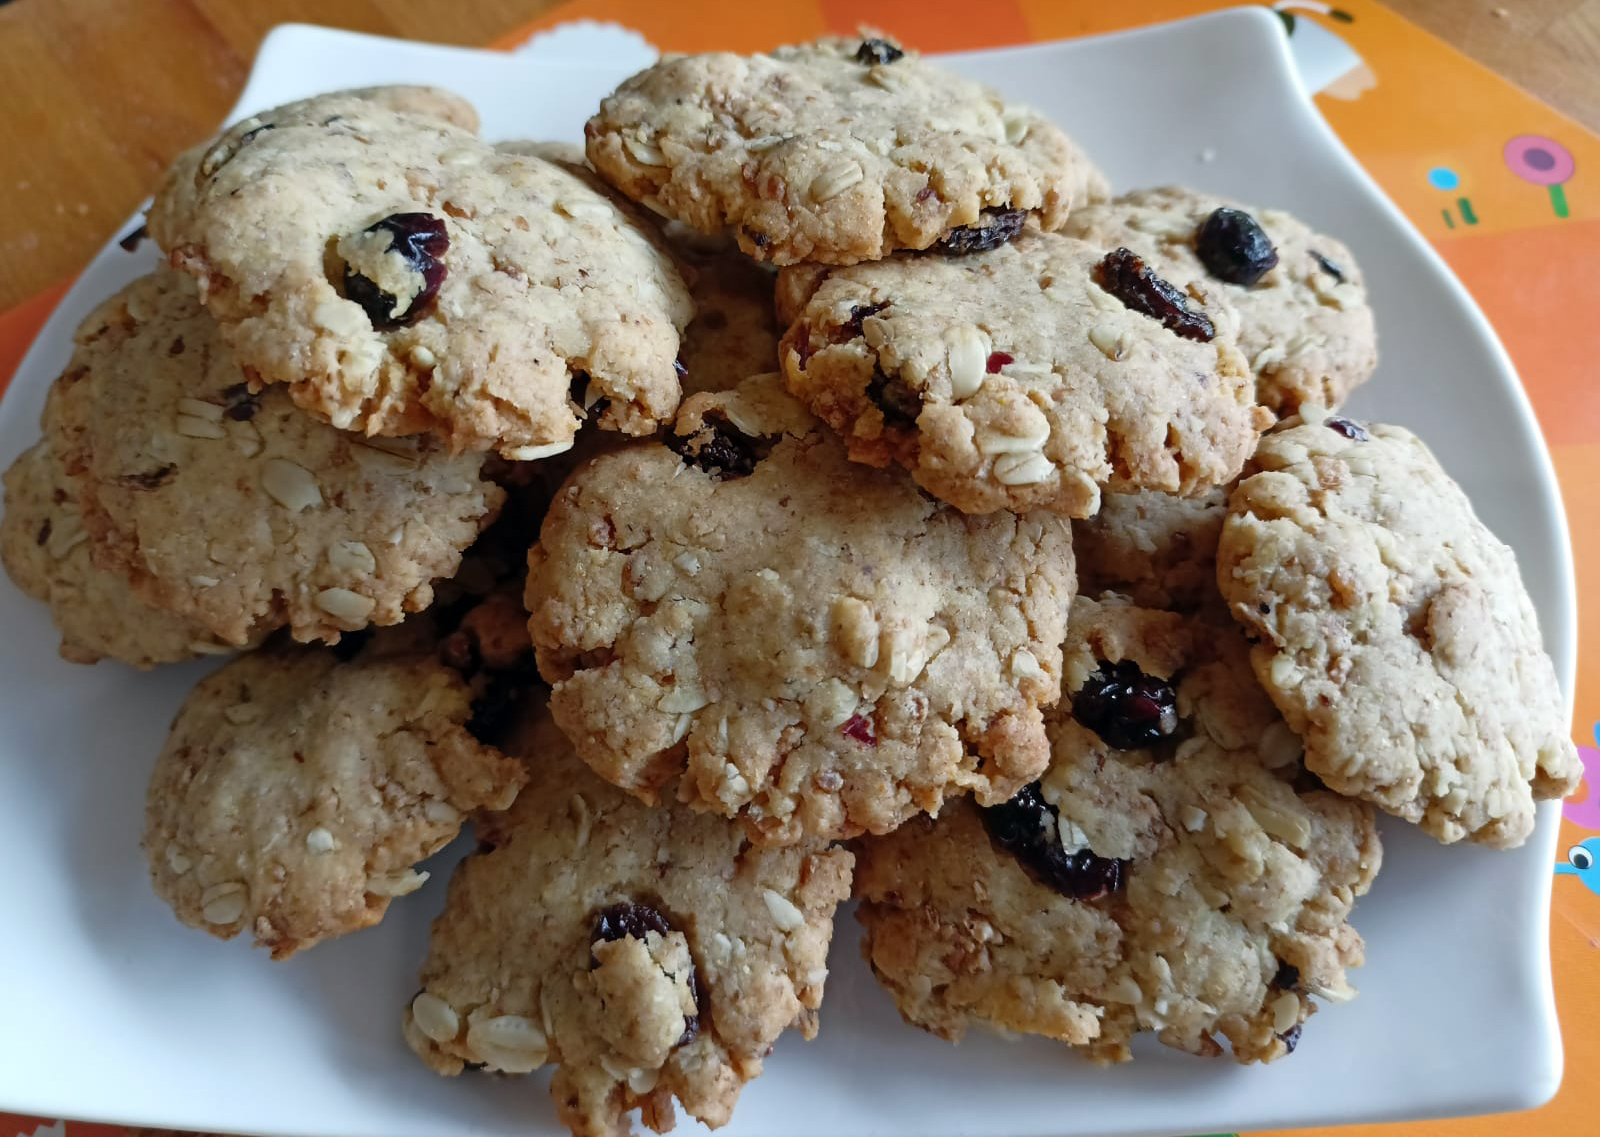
(297, 791)
(836, 151)
(1394, 632)
(646, 953)
(1164, 874)
(806, 643)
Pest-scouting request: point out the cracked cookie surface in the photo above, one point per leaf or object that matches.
(1394, 631)
(1178, 885)
(400, 275)
(647, 953)
(296, 791)
(238, 510)
(836, 151)
(1304, 325)
(798, 640)
(1018, 378)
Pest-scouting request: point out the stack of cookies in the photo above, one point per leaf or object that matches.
(903, 516)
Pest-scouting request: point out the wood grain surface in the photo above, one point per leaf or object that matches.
(96, 96)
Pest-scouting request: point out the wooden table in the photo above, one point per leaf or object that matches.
(96, 96)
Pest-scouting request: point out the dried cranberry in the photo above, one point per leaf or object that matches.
(998, 227)
(1028, 828)
(619, 921)
(859, 727)
(877, 51)
(1354, 431)
(897, 400)
(720, 448)
(1234, 248)
(1124, 274)
(422, 241)
(1291, 1038)
(851, 328)
(1127, 708)
(1287, 978)
(997, 360)
(494, 711)
(1327, 266)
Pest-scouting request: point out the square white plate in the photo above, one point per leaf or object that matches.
(115, 1012)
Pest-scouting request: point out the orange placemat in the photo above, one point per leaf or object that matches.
(1501, 184)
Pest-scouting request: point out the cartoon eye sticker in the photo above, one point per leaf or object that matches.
(1580, 858)
(1544, 162)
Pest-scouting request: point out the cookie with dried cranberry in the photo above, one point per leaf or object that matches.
(45, 550)
(1163, 875)
(1394, 631)
(796, 640)
(297, 791)
(648, 954)
(239, 511)
(1158, 549)
(837, 151)
(1034, 375)
(399, 276)
(1298, 296)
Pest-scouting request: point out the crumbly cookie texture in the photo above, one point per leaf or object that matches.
(1181, 886)
(45, 550)
(1305, 326)
(836, 151)
(1158, 549)
(1394, 632)
(402, 276)
(1014, 379)
(806, 643)
(239, 511)
(647, 953)
(296, 792)
(734, 334)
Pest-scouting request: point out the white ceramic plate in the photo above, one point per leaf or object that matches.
(113, 1011)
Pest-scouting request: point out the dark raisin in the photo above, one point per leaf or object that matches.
(1124, 274)
(851, 328)
(1354, 431)
(1287, 978)
(720, 448)
(897, 400)
(997, 360)
(877, 51)
(1234, 248)
(1291, 1038)
(350, 645)
(1127, 708)
(997, 227)
(620, 921)
(859, 727)
(1027, 827)
(1330, 267)
(133, 240)
(150, 479)
(422, 241)
(494, 711)
(759, 240)
(242, 404)
(176, 346)
(44, 532)
(638, 920)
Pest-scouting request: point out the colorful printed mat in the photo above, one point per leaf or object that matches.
(1500, 183)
